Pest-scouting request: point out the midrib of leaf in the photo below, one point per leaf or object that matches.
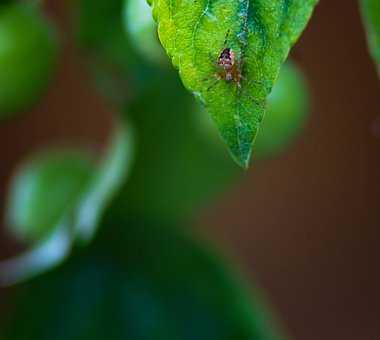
(242, 37)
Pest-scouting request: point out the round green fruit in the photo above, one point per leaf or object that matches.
(44, 189)
(28, 56)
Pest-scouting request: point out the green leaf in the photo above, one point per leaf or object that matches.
(286, 113)
(371, 16)
(260, 32)
(143, 282)
(107, 180)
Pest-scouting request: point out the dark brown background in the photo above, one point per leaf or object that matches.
(305, 225)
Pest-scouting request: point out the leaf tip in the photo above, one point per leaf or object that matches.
(242, 157)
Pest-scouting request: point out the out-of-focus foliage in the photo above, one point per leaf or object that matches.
(28, 56)
(260, 33)
(59, 198)
(177, 168)
(371, 16)
(119, 72)
(286, 113)
(44, 189)
(106, 182)
(143, 282)
(142, 30)
(141, 278)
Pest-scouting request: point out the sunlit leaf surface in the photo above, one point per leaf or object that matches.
(260, 33)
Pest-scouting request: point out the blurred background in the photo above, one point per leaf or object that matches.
(303, 225)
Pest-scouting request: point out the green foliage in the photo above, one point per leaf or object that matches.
(143, 282)
(28, 56)
(286, 113)
(260, 32)
(59, 198)
(93, 20)
(100, 34)
(142, 278)
(177, 169)
(44, 189)
(119, 71)
(371, 17)
(107, 181)
(174, 173)
(142, 30)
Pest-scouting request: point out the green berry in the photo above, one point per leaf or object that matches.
(28, 56)
(44, 189)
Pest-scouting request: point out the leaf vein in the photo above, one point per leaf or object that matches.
(196, 28)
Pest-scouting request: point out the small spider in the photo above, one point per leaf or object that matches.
(230, 69)
(229, 66)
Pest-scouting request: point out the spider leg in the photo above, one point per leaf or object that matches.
(226, 38)
(212, 85)
(218, 77)
(212, 59)
(257, 82)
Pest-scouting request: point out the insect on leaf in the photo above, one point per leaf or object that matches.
(371, 16)
(259, 33)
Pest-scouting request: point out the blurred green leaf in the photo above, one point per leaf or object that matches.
(169, 180)
(107, 180)
(42, 197)
(99, 33)
(118, 69)
(28, 56)
(286, 113)
(177, 168)
(44, 189)
(142, 30)
(59, 199)
(371, 16)
(93, 20)
(148, 282)
(260, 34)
